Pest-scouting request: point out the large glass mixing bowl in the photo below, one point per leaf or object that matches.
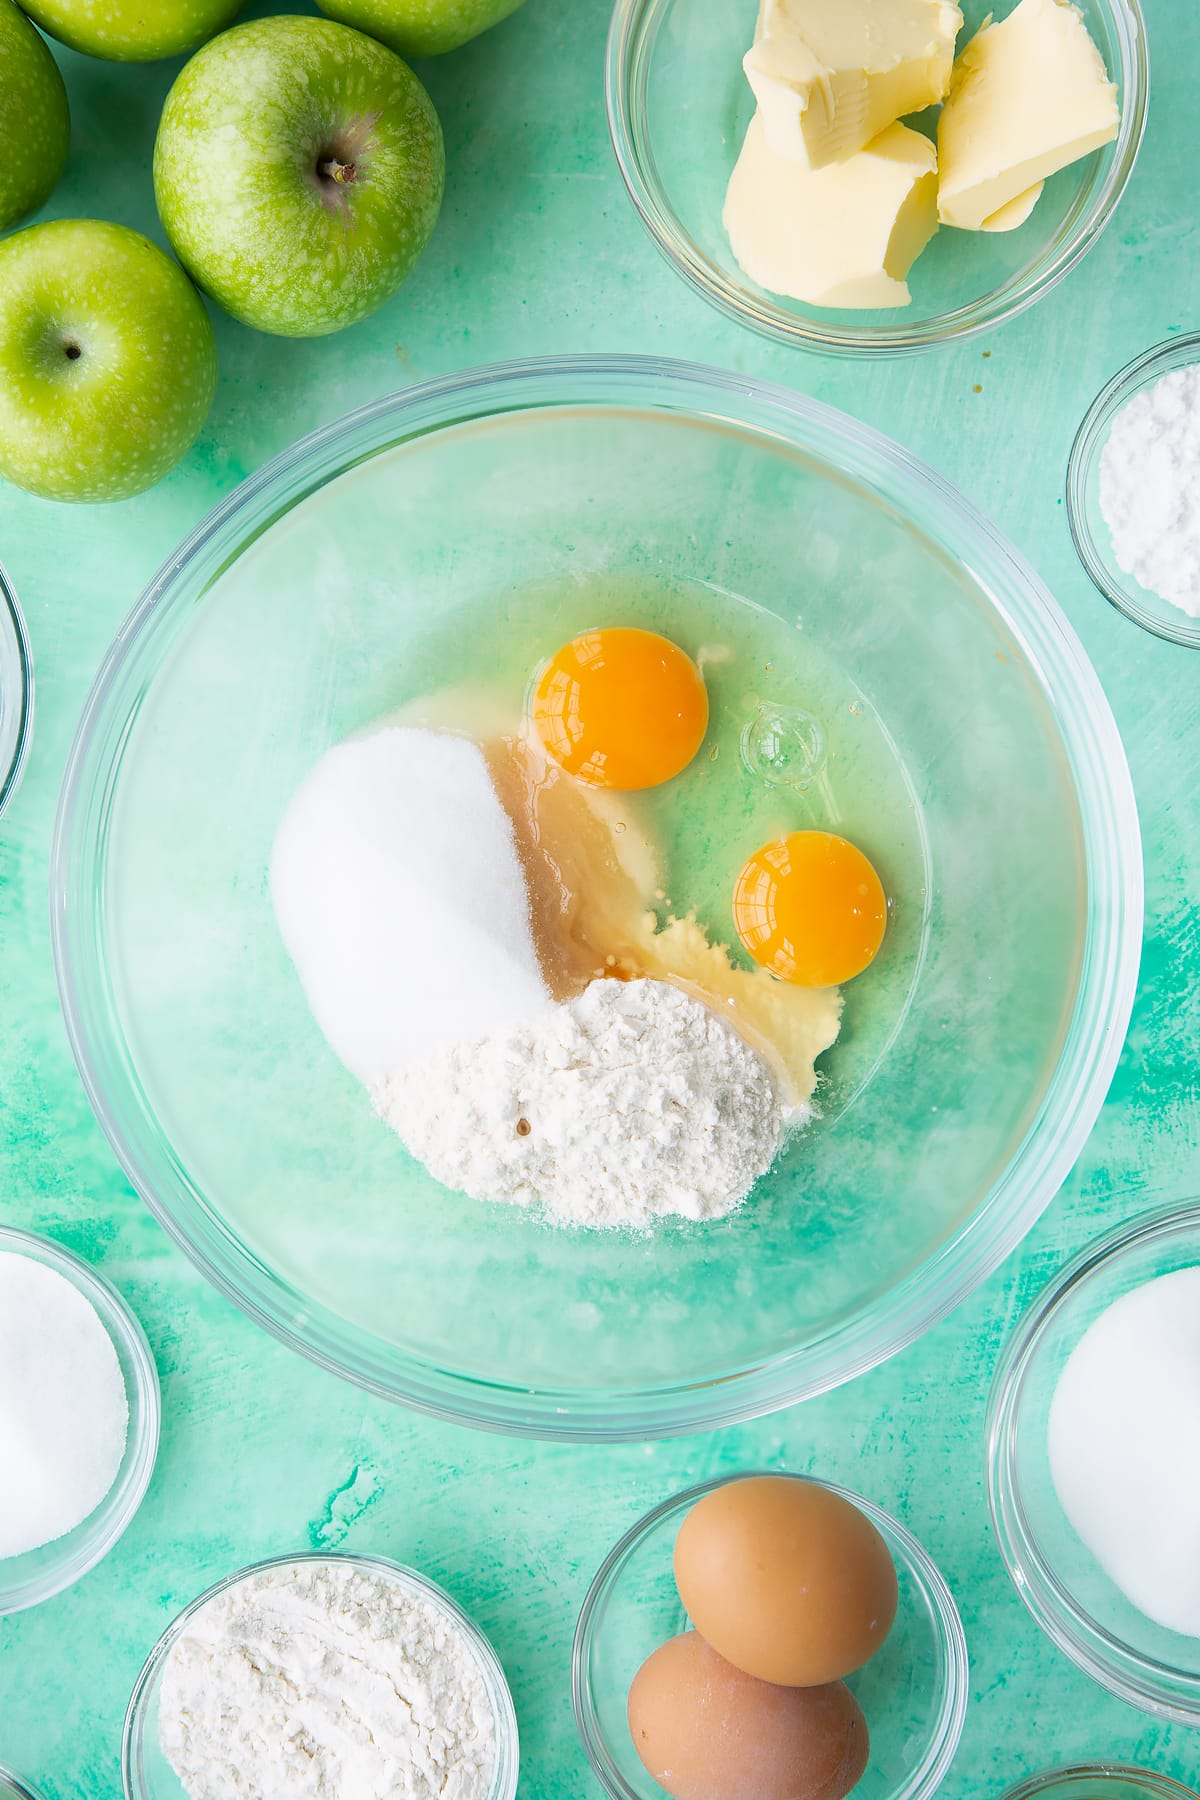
(972, 1063)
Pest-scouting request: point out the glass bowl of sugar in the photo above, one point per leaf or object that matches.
(1131, 482)
(1094, 1458)
(61, 1479)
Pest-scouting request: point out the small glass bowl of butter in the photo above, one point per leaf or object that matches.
(1099, 1781)
(680, 107)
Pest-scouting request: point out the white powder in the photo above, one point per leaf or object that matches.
(64, 1413)
(631, 1102)
(323, 1681)
(1124, 1443)
(1150, 488)
(401, 900)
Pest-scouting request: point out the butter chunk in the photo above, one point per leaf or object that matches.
(1016, 212)
(1029, 96)
(830, 75)
(845, 235)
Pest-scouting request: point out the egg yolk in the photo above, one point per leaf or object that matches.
(811, 909)
(621, 708)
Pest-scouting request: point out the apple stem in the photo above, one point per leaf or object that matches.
(334, 170)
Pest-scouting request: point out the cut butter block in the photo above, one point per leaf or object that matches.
(845, 235)
(1028, 96)
(1016, 212)
(830, 75)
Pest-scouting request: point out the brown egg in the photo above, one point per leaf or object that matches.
(706, 1731)
(786, 1580)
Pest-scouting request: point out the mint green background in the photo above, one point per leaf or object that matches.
(538, 251)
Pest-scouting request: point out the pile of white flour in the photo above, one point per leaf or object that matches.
(631, 1102)
(323, 1681)
(1150, 488)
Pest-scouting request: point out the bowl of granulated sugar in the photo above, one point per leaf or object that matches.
(79, 1418)
(1094, 1461)
(1132, 486)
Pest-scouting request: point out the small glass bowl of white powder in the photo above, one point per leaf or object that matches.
(323, 1677)
(1133, 491)
(1094, 1461)
(85, 1481)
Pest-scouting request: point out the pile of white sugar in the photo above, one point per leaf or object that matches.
(323, 1680)
(1150, 488)
(401, 898)
(1124, 1443)
(632, 1102)
(64, 1412)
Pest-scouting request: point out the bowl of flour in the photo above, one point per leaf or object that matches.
(323, 1678)
(1133, 491)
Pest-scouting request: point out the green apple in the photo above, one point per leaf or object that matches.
(132, 30)
(298, 172)
(35, 124)
(421, 27)
(108, 363)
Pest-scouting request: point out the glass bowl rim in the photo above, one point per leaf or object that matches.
(490, 1667)
(1156, 1787)
(627, 31)
(11, 1784)
(952, 1719)
(1141, 1681)
(1180, 351)
(12, 628)
(90, 1541)
(1111, 844)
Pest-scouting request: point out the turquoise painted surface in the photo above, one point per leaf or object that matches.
(539, 251)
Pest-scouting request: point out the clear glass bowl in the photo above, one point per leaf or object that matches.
(1086, 520)
(1099, 1781)
(16, 692)
(40, 1574)
(147, 1774)
(913, 1693)
(678, 108)
(1069, 1594)
(12, 1789)
(306, 607)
